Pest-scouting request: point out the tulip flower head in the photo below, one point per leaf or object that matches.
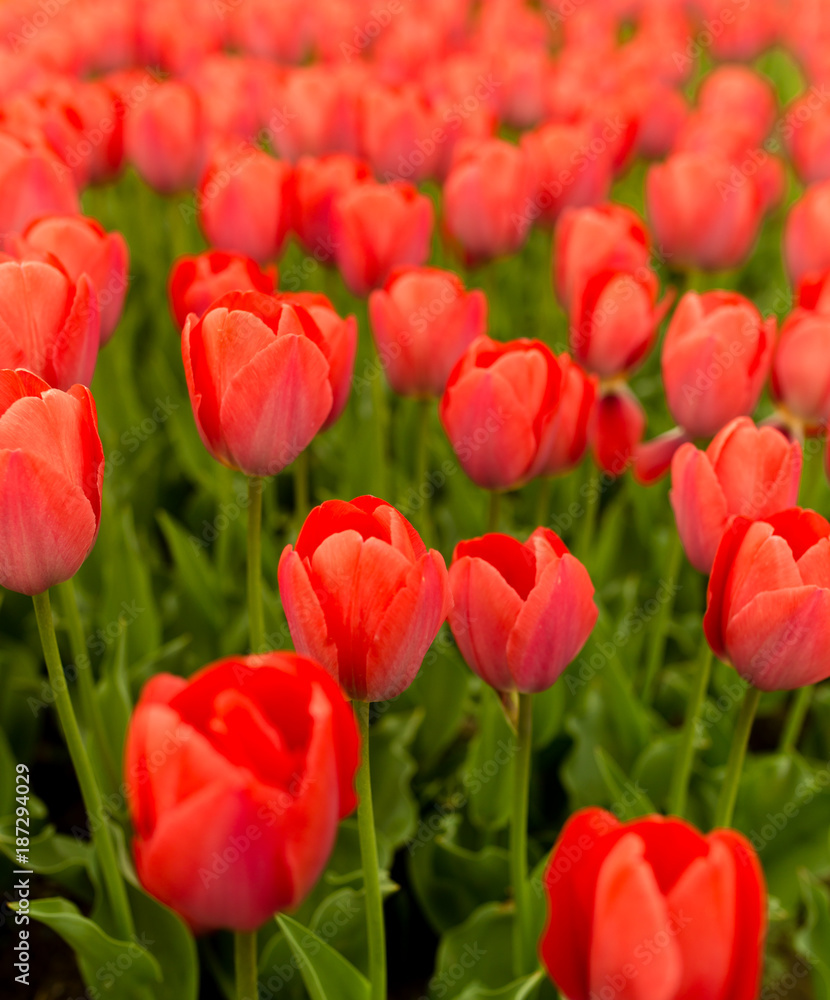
(196, 282)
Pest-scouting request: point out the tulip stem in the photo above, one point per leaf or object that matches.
(679, 790)
(302, 484)
(256, 618)
(543, 502)
(734, 766)
(795, 719)
(658, 640)
(421, 467)
(91, 794)
(369, 859)
(83, 671)
(245, 959)
(494, 511)
(523, 940)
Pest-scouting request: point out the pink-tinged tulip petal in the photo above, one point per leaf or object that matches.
(805, 246)
(163, 137)
(33, 182)
(700, 507)
(318, 181)
(653, 459)
(801, 366)
(196, 282)
(570, 429)
(619, 425)
(304, 613)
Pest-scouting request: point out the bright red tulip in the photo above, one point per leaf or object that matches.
(716, 359)
(806, 248)
(574, 418)
(653, 910)
(245, 203)
(33, 182)
(701, 215)
(488, 199)
(801, 367)
(260, 380)
(378, 227)
(196, 282)
(499, 410)
(521, 612)
(768, 611)
(317, 183)
(83, 246)
(746, 470)
(363, 595)
(51, 480)
(422, 322)
(618, 428)
(590, 240)
(237, 779)
(163, 137)
(48, 323)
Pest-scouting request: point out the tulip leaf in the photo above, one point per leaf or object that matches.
(66, 859)
(629, 798)
(521, 989)
(488, 776)
(122, 969)
(813, 940)
(326, 974)
(171, 944)
(479, 950)
(115, 703)
(194, 569)
(392, 765)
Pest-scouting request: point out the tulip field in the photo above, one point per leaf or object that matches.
(414, 497)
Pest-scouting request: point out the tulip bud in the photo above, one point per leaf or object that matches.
(318, 112)
(33, 182)
(801, 368)
(196, 282)
(618, 428)
(237, 779)
(396, 133)
(317, 183)
(51, 480)
(806, 247)
(163, 137)
(741, 96)
(363, 595)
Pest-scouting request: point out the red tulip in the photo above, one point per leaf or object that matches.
(51, 479)
(163, 137)
(716, 358)
(48, 324)
(806, 247)
(746, 470)
(499, 409)
(397, 133)
(422, 322)
(701, 216)
(363, 595)
(751, 30)
(259, 376)
(196, 282)
(574, 418)
(520, 613)
(801, 367)
(809, 143)
(378, 227)
(813, 292)
(237, 779)
(33, 182)
(317, 183)
(340, 336)
(589, 240)
(102, 114)
(768, 611)
(245, 203)
(317, 112)
(739, 96)
(653, 910)
(618, 428)
(83, 246)
(488, 198)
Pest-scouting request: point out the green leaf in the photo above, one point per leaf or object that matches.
(65, 859)
(488, 777)
(548, 714)
(482, 947)
(340, 921)
(121, 969)
(521, 989)
(813, 940)
(172, 945)
(194, 570)
(113, 696)
(440, 689)
(629, 798)
(326, 974)
(396, 812)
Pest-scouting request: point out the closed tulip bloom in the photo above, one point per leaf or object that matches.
(163, 137)
(51, 480)
(422, 322)
(196, 282)
(806, 247)
(521, 612)
(614, 888)
(33, 182)
(589, 240)
(256, 748)
(801, 367)
(317, 183)
(768, 611)
(487, 197)
(317, 112)
(701, 218)
(378, 227)
(739, 94)
(396, 133)
(245, 204)
(363, 595)
(574, 418)
(259, 377)
(499, 408)
(48, 323)
(746, 470)
(618, 427)
(83, 246)
(716, 359)
(809, 144)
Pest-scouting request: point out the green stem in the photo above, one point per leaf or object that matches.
(523, 940)
(734, 766)
(590, 517)
(256, 617)
(795, 719)
(494, 511)
(421, 467)
(83, 671)
(245, 959)
(91, 794)
(543, 501)
(302, 486)
(369, 859)
(679, 790)
(658, 640)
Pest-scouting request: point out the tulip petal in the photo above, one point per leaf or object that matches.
(699, 506)
(304, 613)
(751, 897)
